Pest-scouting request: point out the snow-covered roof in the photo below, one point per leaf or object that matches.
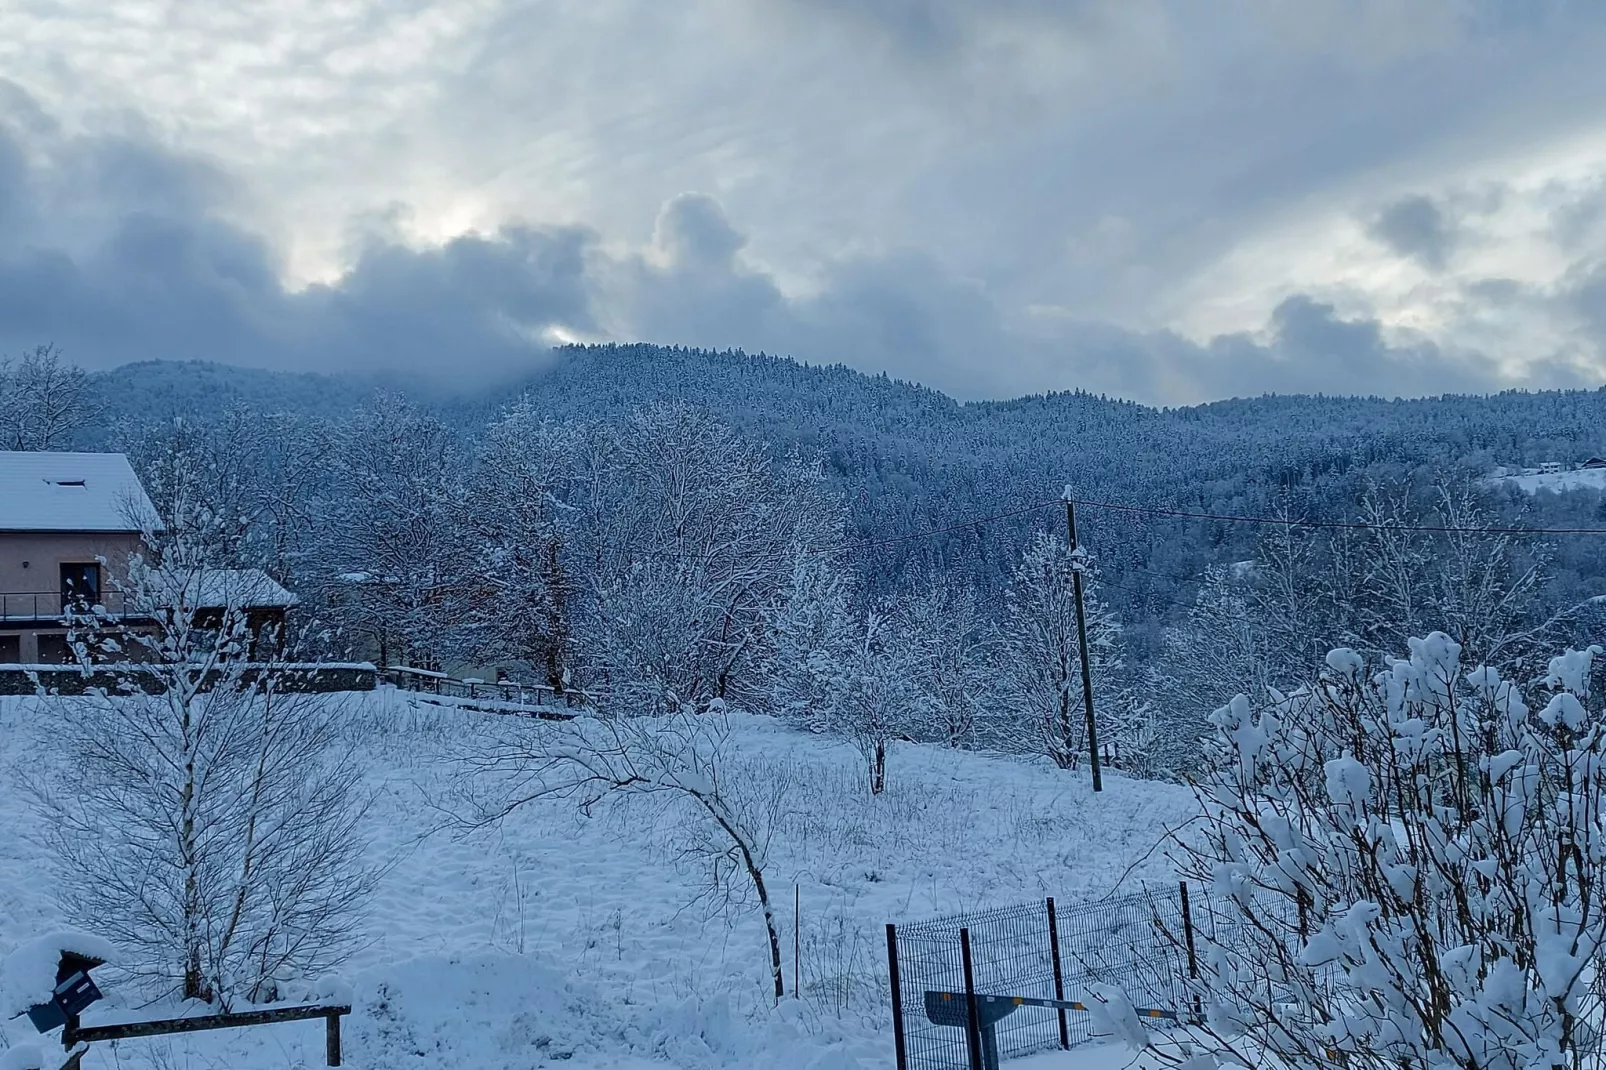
(241, 588)
(71, 492)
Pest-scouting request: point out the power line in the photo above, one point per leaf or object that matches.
(1286, 522)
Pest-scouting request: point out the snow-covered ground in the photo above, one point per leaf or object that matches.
(1555, 482)
(562, 940)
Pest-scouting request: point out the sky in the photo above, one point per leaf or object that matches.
(1166, 200)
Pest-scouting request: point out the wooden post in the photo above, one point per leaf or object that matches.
(972, 1012)
(94, 1034)
(897, 997)
(1081, 641)
(331, 1040)
(1059, 975)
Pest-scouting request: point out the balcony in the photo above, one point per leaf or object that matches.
(51, 606)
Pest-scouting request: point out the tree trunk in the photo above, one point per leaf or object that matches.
(878, 771)
(195, 986)
(757, 877)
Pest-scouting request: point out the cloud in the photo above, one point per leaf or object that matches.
(125, 249)
(1135, 164)
(692, 233)
(146, 266)
(1416, 227)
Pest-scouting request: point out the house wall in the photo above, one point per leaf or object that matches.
(30, 563)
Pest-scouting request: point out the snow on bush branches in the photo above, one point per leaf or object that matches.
(1417, 860)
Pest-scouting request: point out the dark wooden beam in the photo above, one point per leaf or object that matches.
(90, 1034)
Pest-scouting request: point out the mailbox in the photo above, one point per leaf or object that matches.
(75, 990)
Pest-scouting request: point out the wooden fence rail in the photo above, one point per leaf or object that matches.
(439, 683)
(73, 1035)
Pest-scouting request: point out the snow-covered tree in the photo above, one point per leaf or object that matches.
(254, 474)
(1043, 657)
(1412, 854)
(207, 818)
(950, 656)
(688, 534)
(391, 546)
(44, 403)
(1222, 649)
(515, 590)
(811, 633)
(872, 695)
(1477, 587)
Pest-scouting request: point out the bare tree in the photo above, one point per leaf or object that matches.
(206, 818)
(683, 758)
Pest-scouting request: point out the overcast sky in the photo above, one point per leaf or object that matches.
(1171, 200)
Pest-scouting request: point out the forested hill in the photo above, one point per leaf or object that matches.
(909, 459)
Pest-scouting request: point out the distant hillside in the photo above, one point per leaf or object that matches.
(910, 459)
(159, 388)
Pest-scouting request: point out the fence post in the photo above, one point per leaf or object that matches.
(1059, 975)
(331, 1040)
(1187, 931)
(1193, 959)
(897, 997)
(972, 1012)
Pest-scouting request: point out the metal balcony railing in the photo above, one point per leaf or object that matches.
(54, 605)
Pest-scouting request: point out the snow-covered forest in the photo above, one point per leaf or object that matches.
(866, 554)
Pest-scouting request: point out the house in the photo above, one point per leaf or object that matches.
(1548, 468)
(1594, 462)
(69, 523)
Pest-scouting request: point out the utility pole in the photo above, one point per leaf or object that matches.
(1081, 640)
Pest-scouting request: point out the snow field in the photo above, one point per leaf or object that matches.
(557, 939)
(1556, 482)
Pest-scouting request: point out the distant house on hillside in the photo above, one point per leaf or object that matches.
(69, 522)
(1594, 462)
(1549, 468)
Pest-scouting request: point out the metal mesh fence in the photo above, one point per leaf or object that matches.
(1136, 943)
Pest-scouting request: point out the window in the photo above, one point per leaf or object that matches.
(10, 649)
(80, 584)
(53, 650)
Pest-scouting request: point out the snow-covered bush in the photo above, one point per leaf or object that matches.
(1417, 857)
